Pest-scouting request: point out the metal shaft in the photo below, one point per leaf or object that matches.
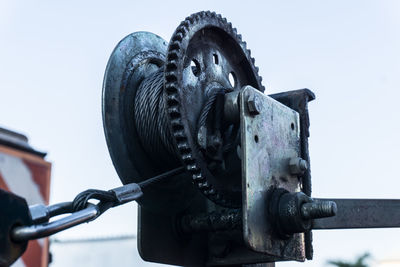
(211, 222)
(362, 213)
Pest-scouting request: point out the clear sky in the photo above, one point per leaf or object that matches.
(52, 60)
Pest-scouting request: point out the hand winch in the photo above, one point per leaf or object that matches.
(221, 171)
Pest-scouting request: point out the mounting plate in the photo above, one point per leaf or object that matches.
(269, 140)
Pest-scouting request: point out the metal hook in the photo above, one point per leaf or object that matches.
(23, 233)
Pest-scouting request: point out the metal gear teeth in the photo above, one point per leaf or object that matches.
(180, 135)
(205, 186)
(187, 158)
(197, 177)
(175, 53)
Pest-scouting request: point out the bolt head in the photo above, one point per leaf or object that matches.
(297, 166)
(254, 104)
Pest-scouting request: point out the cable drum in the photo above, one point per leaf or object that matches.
(150, 118)
(163, 108)
(151, 121)
(137, 153)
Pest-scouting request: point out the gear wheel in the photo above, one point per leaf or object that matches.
(205, 52)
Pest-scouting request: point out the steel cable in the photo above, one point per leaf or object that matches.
(151, 120)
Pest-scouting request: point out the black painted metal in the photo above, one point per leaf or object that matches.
(135, 58)
(133, 61)
(203, 52)
(177, 225)
(14, 212)
(161, 240)
(293, 212)
(362, 213)
(211, 222)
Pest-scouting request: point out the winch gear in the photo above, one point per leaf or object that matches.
(203, 51)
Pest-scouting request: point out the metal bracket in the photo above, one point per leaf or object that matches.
(270, 133)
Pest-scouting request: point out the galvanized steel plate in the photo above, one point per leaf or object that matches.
(269, 140)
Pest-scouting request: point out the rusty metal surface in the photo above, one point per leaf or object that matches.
(269, 140)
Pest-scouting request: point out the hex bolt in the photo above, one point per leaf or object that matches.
(297, 165)
(254, 104)
(318, 209)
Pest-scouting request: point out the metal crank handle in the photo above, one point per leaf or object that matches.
(361, 213)
(297, 213)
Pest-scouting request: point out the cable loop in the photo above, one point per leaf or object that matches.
(82, 199)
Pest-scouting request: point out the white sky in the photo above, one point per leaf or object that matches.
(53, 55)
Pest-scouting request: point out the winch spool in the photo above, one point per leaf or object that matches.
(162, 108)
(151, 120)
